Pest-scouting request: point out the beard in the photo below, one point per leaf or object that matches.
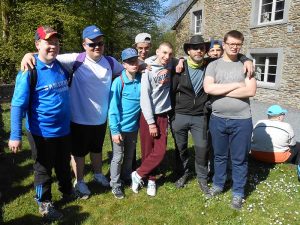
(197, 59)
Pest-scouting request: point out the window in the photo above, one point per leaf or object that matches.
(265, 67)
(271, 11)
(197, 21)
(268, 66)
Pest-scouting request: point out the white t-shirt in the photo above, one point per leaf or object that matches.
(272, 136)
(90, 89)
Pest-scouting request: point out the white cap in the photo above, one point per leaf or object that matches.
(143, 37)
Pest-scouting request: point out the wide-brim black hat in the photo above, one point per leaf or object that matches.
(195, 40)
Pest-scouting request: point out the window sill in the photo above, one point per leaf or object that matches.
(268, 24)
(265, 85)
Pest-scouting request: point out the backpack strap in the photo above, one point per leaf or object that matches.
(112, 65)
(78, 62)
(33, 81)
(122, 81)
(110, 61)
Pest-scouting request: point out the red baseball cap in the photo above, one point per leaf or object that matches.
(44, 33)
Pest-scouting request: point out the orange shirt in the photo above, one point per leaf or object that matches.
(271, 157)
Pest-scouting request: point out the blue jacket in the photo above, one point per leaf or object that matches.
(48, 115)
(124, 109)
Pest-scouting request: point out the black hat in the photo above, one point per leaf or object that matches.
(195, 40)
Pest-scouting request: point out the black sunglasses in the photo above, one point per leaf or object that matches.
(95, 44)
(196, 47)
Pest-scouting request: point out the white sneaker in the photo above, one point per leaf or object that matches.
(82, 189)
(151, 188)
(101, 179)
(136, 182)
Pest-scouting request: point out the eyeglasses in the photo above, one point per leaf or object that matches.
(198, 47)
(231, 45)
(95, 44)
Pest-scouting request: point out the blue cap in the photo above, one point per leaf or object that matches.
(215, 42)
(91, 32)
(276, 110)
(128, 53)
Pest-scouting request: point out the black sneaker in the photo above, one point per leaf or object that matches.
(237, 202)
(204, 187)
(118, 192)
(48, 212)
(180, 183)
(69, 197)
(214, 191)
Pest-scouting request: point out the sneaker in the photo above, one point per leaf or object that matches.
(136, 182)
(101, 179)
(237, 202)
(204, 187)
(69, 197)
(49, 212)
(82, 189)
(118, 192)
(214, 191)
(298, 172)
(151, 188)
(180, 183)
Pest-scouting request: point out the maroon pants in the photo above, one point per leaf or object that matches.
(153, 149)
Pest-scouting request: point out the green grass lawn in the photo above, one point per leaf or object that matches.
(272, 196)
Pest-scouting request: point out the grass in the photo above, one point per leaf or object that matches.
(272, 196)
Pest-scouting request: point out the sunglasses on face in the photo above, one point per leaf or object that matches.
(198, 47)
(95, 44)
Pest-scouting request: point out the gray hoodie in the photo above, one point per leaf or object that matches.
(155, 90)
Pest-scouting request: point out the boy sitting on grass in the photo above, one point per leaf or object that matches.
(124, 113)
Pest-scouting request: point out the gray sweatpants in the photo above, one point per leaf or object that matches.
(121, 163)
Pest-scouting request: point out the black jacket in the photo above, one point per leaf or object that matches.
(184, 99)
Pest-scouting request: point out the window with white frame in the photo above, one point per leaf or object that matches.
(268, 64)
(197, 21)
(271, 11)
(266, 67)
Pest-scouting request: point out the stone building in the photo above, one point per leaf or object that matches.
(272, 38)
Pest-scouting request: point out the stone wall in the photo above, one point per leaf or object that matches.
(221, 16)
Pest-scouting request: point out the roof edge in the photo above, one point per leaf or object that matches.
(183, 14)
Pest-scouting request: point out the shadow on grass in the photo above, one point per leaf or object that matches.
(257, 172)
(72, 215)
(172, 164)
(12, 172)
(3, 134)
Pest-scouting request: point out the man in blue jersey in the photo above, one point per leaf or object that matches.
(46, 104)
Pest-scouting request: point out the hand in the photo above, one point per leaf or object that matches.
(179, 66)
(249, 68)
(149, 67)
(28, 61)
(117, 138)
(15, 145)
(153, 130)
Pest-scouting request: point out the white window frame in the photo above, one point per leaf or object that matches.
(271, 52)
(272, 12)
(256, 13)
(196, 19)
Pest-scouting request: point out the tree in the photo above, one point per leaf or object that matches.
(119, 20)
